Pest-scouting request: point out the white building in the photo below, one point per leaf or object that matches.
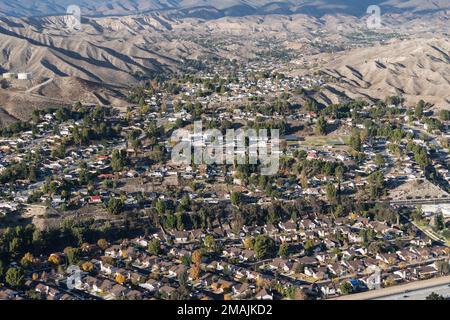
(24, 76)
(432, 209)
(9, 75)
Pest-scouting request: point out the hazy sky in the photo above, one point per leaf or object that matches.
(228, 7)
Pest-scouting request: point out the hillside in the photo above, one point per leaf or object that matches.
(123, 51)
(100, 61)
(416, 69)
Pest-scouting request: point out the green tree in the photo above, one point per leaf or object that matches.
(309, 246)
(339, 172)
(418, 111)
(14, 246)
(154, 247)
(236, 198)
(346, 288)
(32, 174)
(210, 243)
(72, 255)
(434, 296)
(283, 250)
(331, 193)
(304, 179)
(14, 277)
(27, 260)
(180, 222)
(311, 105)
(264, 247)
(160, 206)
(339, 211)
(417, 214)
(420, 154)
(321, 127)
(355, 141)
(379, 160)
(444, 115)
(118, 160)
(115, 206)
(439, 223)
(376, 184)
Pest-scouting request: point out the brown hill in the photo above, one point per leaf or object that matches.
(97, 63)
(56, 92)
(416, 69)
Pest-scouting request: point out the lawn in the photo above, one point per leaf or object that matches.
(323, 141)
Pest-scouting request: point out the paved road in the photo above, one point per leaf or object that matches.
(425, 231)
(419, 201)
(443, 290)
(404, 289)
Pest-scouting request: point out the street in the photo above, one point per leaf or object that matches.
(415, 290)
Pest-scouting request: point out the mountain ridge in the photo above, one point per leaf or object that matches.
(213, 9)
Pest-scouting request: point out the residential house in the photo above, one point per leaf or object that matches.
(167, 291)
(181, 236)
(264, 295)
(288, 226)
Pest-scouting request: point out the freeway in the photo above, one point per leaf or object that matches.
(413, 290)
(418, 202)
(413, 202)
(443, 290)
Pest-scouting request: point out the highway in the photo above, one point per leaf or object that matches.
(443, 290)
(416, 290)
(418, 202)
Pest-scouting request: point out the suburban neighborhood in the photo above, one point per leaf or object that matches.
(94, 207)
